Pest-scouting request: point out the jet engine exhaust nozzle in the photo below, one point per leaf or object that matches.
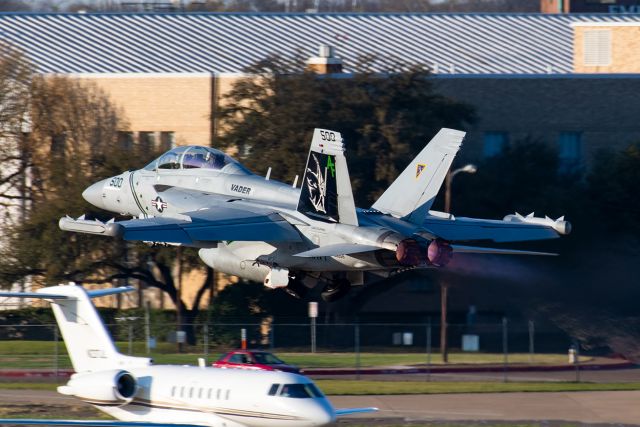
(439, 253)
(409, 253)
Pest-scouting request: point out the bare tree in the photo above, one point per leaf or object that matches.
(15, 80)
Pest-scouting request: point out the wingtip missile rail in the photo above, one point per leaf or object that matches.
(560, 225)
(82, 225)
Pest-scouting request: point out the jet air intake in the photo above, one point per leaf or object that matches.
(111, 387)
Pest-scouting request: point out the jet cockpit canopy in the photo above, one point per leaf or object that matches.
(196, 157)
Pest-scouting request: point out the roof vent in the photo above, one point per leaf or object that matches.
(326, 62)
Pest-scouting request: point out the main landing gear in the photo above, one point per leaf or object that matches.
(335, 290)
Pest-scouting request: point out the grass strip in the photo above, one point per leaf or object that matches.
(354, 387)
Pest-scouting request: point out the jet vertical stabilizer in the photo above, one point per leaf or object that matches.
(326, 188)
(88, 342)
(413, 192)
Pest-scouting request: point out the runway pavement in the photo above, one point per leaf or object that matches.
(616, 407)
(582, 407)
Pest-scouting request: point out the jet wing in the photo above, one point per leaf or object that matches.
(91, 423)
(206, 225)
(513, 228)
(349, 411)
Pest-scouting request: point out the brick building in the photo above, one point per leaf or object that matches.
(590, 6)
(169, 72)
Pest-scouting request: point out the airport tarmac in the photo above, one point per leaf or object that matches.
(603, 408)
(594, 376)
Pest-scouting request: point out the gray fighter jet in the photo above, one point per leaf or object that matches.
(294, 238)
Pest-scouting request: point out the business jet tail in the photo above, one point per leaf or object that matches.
(88, 342)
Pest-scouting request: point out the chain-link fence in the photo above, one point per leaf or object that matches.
(41, 347)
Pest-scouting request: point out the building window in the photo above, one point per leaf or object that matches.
(58, 143)
(147, 141)
(167, 141)
(125, 140)
(569, 151)
(597, 48)
(494, 143)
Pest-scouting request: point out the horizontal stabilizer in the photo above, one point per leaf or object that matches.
(90, 423)
(337, 249)
(33, 295)
(95, 293)
(349, 411)
(461, 249)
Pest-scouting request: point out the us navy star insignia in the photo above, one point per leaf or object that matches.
(159, 204)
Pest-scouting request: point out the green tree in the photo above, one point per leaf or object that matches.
(385, 119)
(613, 190)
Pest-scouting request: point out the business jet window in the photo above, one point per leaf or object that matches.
(274, 389)
(300, 391)
(205, 158)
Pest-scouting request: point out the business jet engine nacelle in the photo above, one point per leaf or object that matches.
(115, 387)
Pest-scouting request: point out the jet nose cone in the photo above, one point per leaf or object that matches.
(93, 194)
(321, 415)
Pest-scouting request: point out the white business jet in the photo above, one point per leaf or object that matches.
(137, 393)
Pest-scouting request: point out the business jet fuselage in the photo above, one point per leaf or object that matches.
(134, 390)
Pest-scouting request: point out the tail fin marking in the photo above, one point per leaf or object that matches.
(326, 192)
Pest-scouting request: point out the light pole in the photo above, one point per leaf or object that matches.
(444, 286)
(470, 168)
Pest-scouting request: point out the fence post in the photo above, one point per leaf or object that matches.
(130, 339)
(531, 342)
(576, 346)
(205, 339)
(313, 335)
(356, 331)
(429, 350)
(505, 348)
(272, 336)
(56, 363)
(147, 327)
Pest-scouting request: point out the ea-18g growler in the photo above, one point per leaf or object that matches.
(294, 238)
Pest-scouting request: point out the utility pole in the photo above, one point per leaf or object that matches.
(444, 286)
(179, 332)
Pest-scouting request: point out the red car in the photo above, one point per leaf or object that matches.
(253, 359)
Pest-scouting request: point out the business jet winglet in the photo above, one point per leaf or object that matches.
(138, 393)
(293, 238)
